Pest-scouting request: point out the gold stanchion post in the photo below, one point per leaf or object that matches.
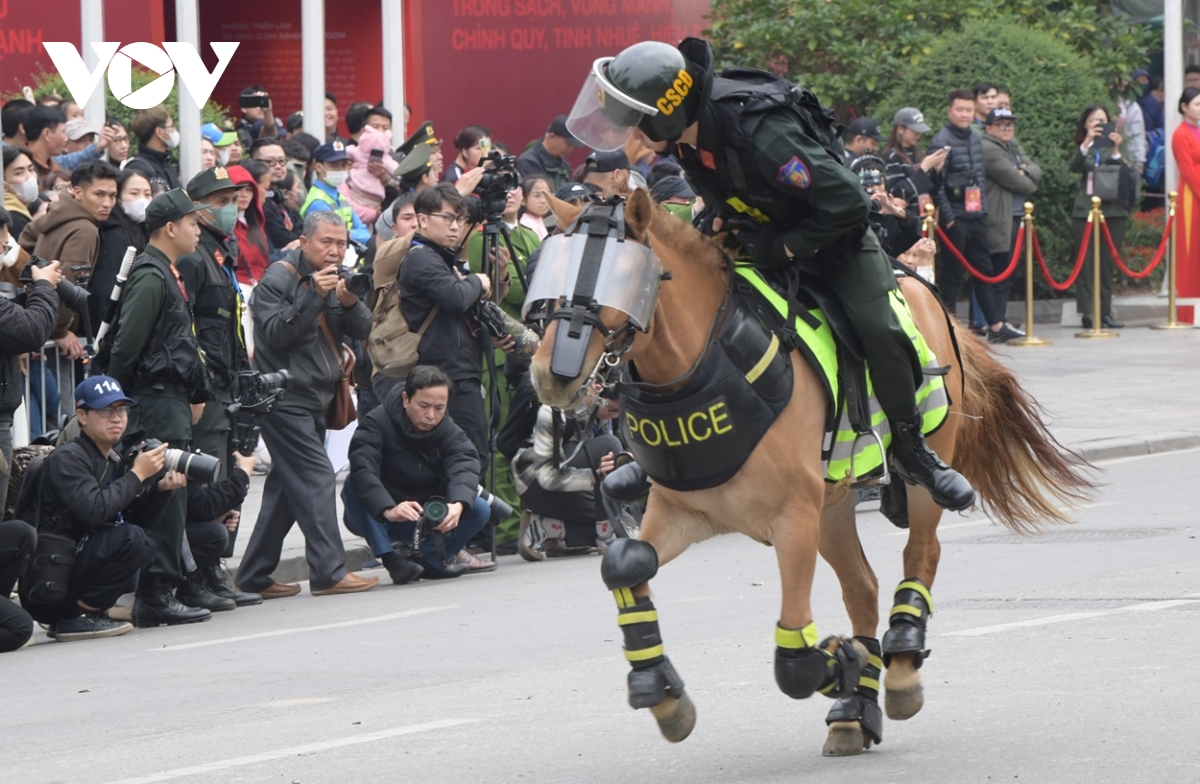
(1172, 304)
(1096, 218)
(930, 230)
(1029, 339)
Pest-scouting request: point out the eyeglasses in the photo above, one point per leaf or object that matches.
(113, 412)
(450, 218)
(273, 161)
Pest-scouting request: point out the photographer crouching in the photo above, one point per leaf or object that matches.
(90, 506)
(414, 476)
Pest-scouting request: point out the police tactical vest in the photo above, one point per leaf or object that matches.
(172, 358)
(723, 166)
(315, 194)
(217, 309)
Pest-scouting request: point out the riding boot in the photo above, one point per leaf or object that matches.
(155, 604)
(917, 464)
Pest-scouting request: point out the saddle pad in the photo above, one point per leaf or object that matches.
(839, 450)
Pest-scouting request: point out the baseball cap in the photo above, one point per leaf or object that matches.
(602, 162)
(573, 191)
(864, 126)
(999, 113)
(910, 117)
(169, 206)
(331, 152)
(295, 122)
(211, 180)
(218, 136)
(77, 129)
(558, 127)
(673, 187)
(99, 392)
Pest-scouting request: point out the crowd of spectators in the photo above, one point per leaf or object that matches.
(248, 268)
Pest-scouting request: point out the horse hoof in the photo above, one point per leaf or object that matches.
(846, 739)
(904, 696)
(676, 717)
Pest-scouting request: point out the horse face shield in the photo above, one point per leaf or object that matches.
(590, 268)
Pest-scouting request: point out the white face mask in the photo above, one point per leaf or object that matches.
(336, 178)
(223, 155)
(25, 191)
(136, 209)
(11, 250)
(172, 138)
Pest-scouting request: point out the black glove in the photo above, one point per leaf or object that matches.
(755, 241)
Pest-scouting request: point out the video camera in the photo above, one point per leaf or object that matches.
(258, 394)
(73, 295)
(196, 466)
(500, 176)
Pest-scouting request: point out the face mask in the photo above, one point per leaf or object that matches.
(336, 178)
(11, 250)
(25, 191)
(223, 155)
(172, 138)
(224, 218)
(136, 209)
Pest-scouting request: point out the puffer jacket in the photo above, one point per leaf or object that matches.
(23, 329)
(68, 234)
(963, 169)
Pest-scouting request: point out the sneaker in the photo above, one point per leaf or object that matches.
(1019, 331)
(605, 535)
(1003, 335)
(531, 538)
(557, 548)
(89, 626)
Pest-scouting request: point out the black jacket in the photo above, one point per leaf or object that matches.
(283, 225)
(156, 166)
(391, 461)
(86, 490)
(208, 502)
(452, 342)
(287, 335)
(963, 169)
(216, 308)
(117, 233)
(23, 329)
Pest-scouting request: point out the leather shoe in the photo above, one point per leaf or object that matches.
(351, 583)
(276, 590)
(1110, 322)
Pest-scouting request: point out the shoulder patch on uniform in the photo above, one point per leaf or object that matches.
(708, 160)
(795, 173)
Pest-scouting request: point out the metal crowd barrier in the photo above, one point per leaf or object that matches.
(49, 399)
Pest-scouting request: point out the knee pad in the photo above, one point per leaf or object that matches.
(628, 563)
(910, 614)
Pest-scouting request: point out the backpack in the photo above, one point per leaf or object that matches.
(1156, 159)
(392, 345)
(24, 483)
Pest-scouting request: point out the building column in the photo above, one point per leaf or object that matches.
(187, 30)
(312, 42)
(91, 30)
(393, 64)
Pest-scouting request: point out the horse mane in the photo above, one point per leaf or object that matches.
(687, 241)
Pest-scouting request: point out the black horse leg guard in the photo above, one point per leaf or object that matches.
(803, 667)
(863, 705)
(910, 612)
(626, 564)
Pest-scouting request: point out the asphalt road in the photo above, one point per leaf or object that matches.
(1060, 658)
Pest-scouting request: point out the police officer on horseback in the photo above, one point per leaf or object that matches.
(766, 158)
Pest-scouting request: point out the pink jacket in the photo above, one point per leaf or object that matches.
(362, 189)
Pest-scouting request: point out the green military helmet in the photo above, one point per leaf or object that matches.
(648, 86)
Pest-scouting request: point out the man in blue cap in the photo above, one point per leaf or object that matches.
(331, 167)
(89, 496)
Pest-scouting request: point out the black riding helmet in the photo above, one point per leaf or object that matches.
(651, 86)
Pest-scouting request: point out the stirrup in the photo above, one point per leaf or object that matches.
(870, 481)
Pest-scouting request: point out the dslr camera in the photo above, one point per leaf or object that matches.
(359, 283)
(196, 466)
(73, 295)
(258, 394)
(499, 324)
(434, 512)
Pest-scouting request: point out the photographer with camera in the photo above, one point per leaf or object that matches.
(92, 508)
(557, 475)
(407, 455)
(27, 316)
(302, 308)
(258, 119)
(432, 278)
(152, 351)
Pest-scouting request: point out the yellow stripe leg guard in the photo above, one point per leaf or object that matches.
(863, 705)
(909, 618)
(652, 677)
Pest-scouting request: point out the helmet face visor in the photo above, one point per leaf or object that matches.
(603, 117)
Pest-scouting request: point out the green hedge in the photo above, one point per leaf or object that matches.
(44, 84)
(1050, 84)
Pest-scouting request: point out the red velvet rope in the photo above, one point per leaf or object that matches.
(1037, 250)
(1158, 256)
(967, 265)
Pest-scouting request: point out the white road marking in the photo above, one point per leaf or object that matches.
(302, 629)
(294, 751)
(1003, 627)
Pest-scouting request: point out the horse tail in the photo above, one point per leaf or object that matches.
(1023, 475)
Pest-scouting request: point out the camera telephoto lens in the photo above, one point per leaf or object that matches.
(500, 508)
(196, 466)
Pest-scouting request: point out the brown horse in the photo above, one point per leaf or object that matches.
(994, 436)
